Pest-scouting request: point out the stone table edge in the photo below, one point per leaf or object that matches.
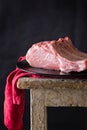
(33, 83)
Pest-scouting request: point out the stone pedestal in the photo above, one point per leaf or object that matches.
(52, 92)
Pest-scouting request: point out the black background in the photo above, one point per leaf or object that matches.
(24, 22)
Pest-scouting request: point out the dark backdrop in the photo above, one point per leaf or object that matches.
(24, 22)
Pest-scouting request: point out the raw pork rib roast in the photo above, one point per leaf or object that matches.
(59, 54)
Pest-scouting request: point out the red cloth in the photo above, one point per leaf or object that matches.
(14, 100)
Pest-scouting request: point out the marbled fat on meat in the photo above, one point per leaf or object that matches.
(58, 54)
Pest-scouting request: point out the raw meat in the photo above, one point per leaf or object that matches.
(58, 54)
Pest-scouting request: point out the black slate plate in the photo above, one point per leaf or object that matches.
(24, 66)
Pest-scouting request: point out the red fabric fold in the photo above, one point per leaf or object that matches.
(14, 99)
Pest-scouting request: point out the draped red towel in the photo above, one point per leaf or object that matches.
(14, 100)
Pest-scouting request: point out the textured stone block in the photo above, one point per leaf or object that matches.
(52, 93)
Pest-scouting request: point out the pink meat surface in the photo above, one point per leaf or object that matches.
(58, 54)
